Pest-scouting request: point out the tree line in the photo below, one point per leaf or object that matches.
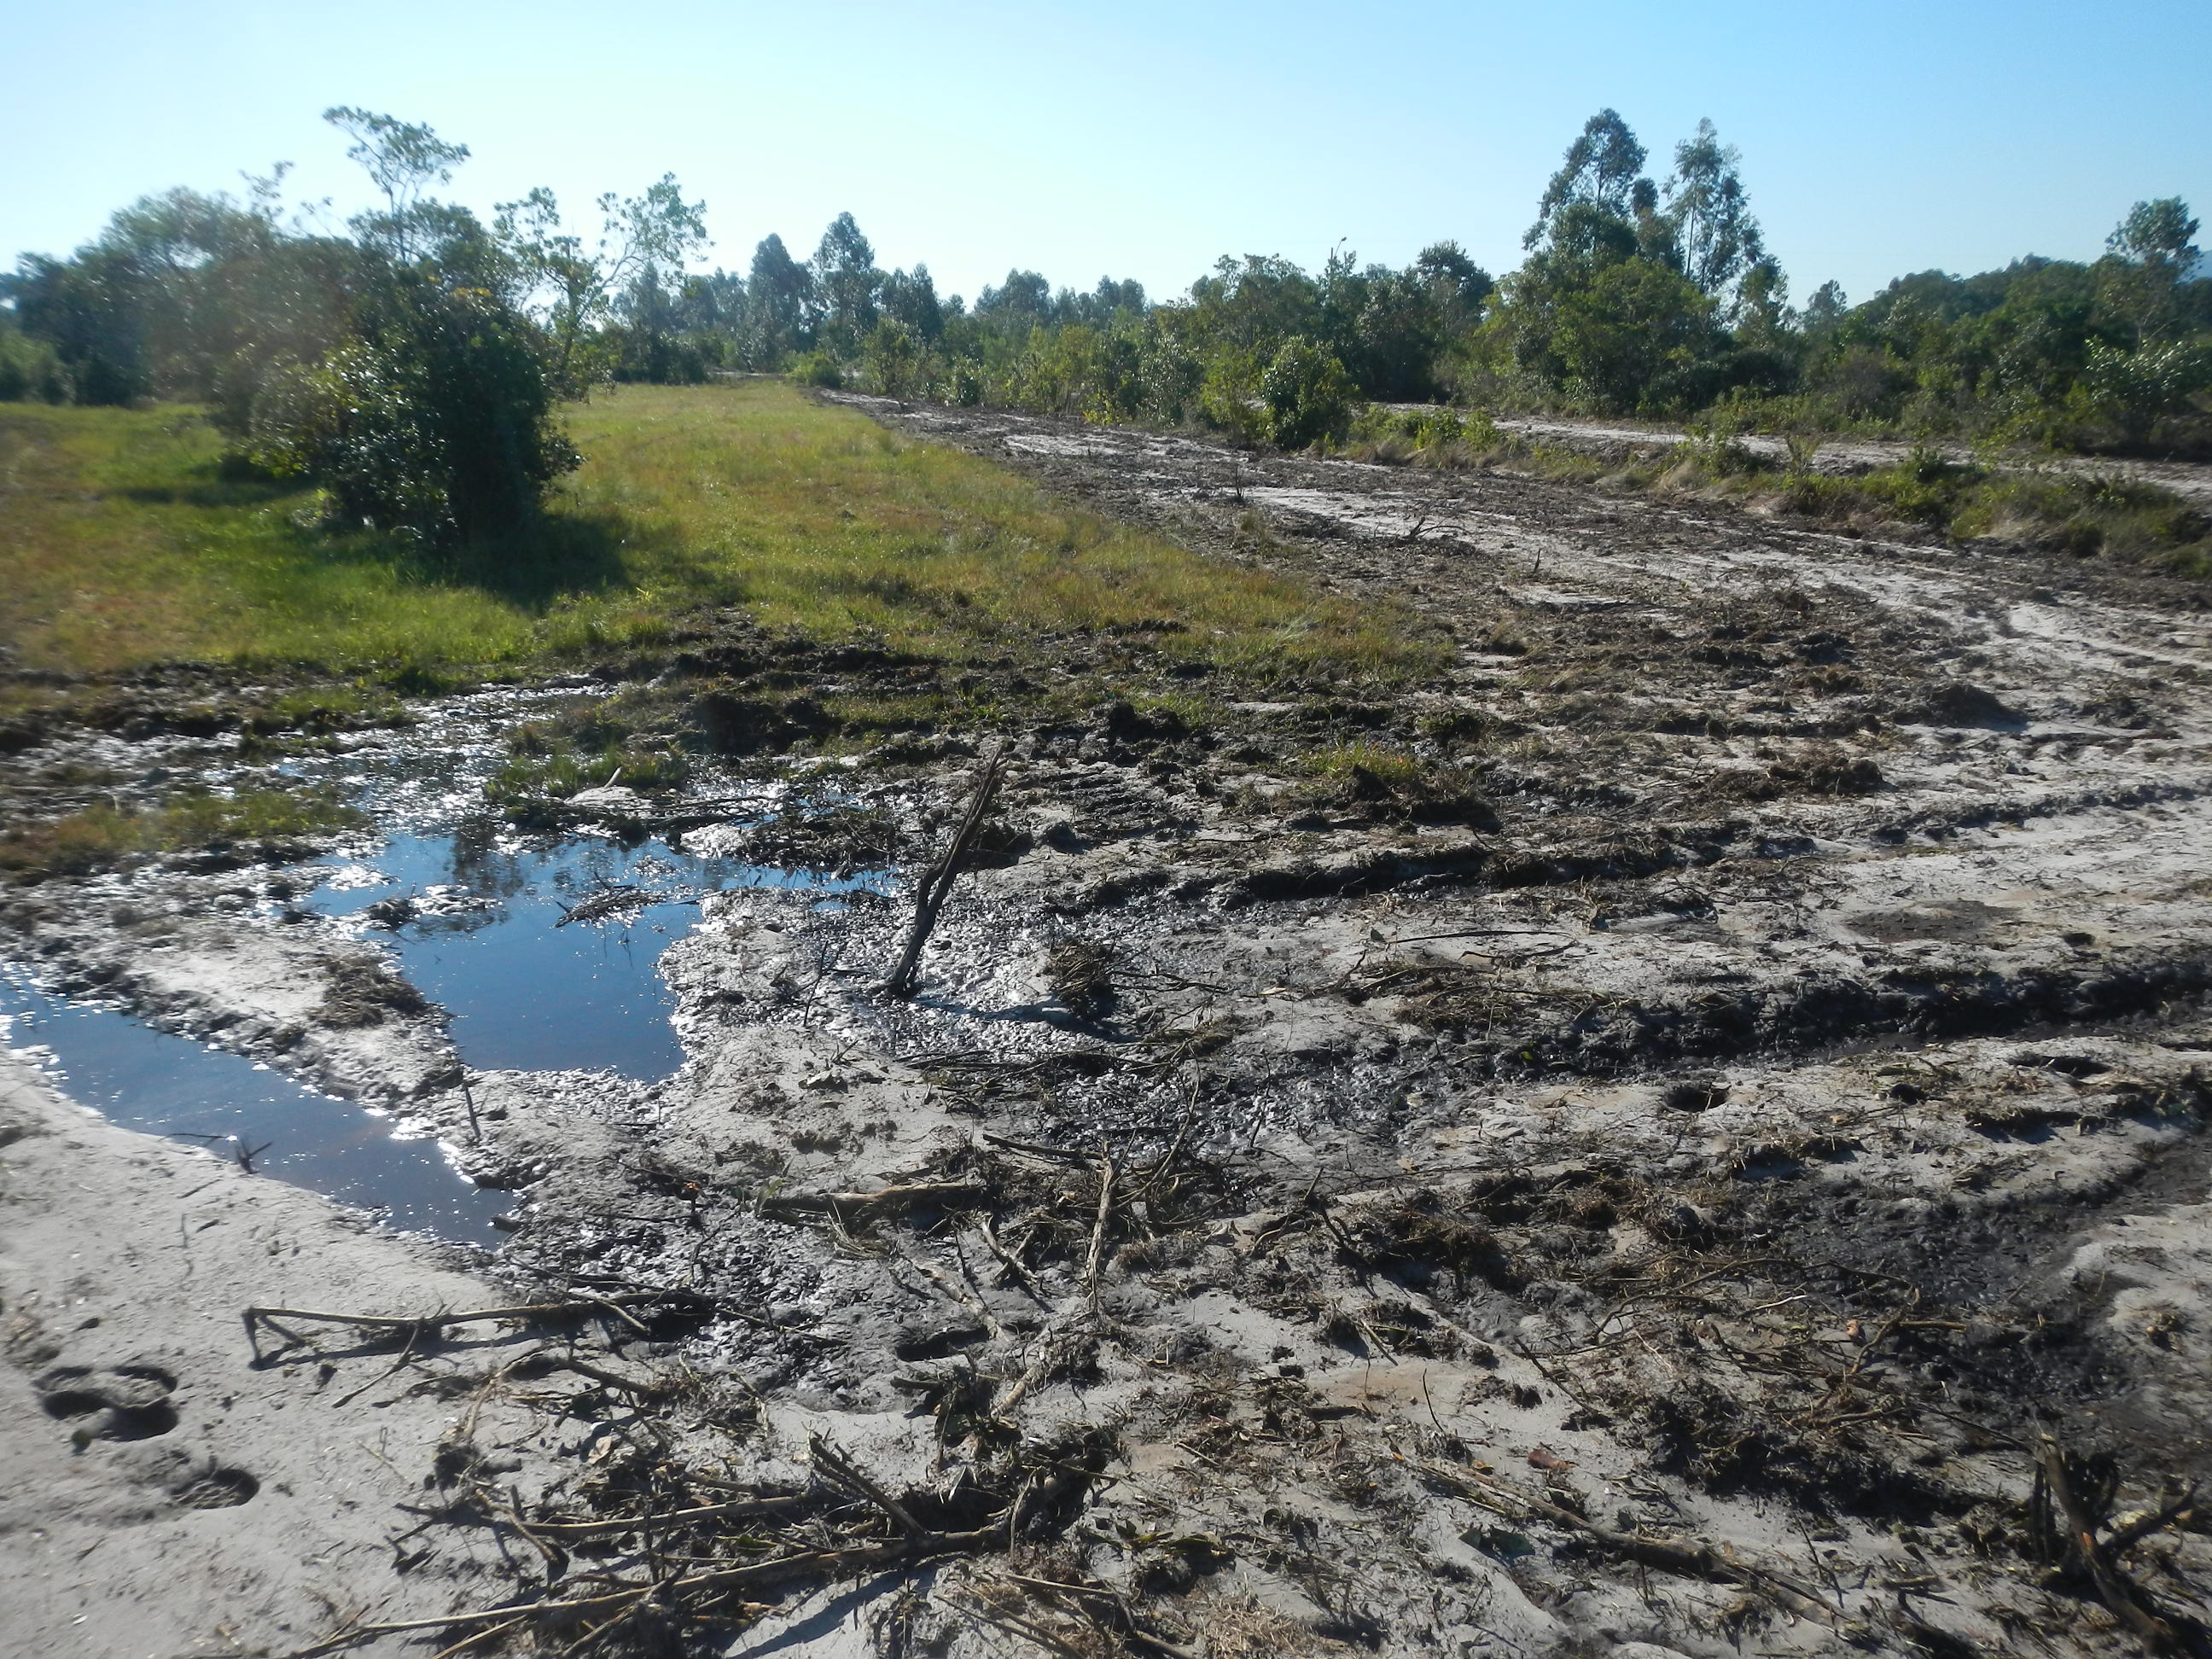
(412, 366)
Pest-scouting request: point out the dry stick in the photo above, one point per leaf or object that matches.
(2114, 1588)
(485, 1635)
(1174, 1149)
(954, 1293)
(827, 1459)
(888, 1200)
(937, 882)
(1107, 1174)
(435, 1324)
(1013, 1264)
(487, 1616)
(752, 1509)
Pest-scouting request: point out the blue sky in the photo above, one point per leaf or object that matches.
(1139, 138)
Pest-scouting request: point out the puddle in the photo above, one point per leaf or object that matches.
(165, 1085)
(529, 989)
(479, 916)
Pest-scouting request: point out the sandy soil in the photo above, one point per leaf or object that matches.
(1642, 1178)
(162, 1491)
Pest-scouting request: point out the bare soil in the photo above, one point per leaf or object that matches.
(1629, 1146)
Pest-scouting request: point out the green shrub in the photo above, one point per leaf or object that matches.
(31, 371)
(436, 422)
(817, 368)
(1308, 397)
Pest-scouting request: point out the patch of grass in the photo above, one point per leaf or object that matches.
(546, 766)
(318, 709)
(821, 521)
(2082, 513)
(100, 837)
(1374, 764)
(128, 544)
(1378, 782)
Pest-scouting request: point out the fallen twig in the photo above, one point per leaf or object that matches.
(420, 1325)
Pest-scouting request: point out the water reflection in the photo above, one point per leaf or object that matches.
(488, 927)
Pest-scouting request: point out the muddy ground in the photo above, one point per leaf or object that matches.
(1646, 1142)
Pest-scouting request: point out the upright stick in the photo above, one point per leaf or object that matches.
(937, 881)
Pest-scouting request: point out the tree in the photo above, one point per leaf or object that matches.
(1022, 302)
(433, 417)
(2154, 248)
(434, 422)
(778, 294)
(1716, 240)
(573, 290)
(1603, 171)
(1307, 395)
(910, 298)
(1459, 285)
(1633, 338)
(1825, 311)
(403, 159)
(893, 355)
(1254, 305)
(2158, 234)
(846, 286)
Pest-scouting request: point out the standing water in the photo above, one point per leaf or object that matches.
(166, 1085)
(483, 921)
(482, 926)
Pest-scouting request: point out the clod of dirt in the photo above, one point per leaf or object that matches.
(362, 991)
(1955, 702)
(1078, 973)
(1695, 1095)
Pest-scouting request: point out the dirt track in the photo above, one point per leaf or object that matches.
(2191, 480)
(1640, 1179)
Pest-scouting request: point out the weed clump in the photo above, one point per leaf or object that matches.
(362, 992)
(272, 823)
(1374, 780)
(545, 767)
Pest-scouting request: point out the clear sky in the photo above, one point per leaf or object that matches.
(1138, 138)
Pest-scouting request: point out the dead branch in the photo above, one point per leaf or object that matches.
(937, 881)
(884, 1200)
(1107, 1174)
(2119, 1593)
(433, 1325)
(843, 1472)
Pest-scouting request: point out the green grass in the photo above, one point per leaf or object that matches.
(101, 837)
(128, 545)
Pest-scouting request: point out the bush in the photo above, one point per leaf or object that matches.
(817, 368)
(1307, 395)
(436, 422)
(894, 359)
(31, 371)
